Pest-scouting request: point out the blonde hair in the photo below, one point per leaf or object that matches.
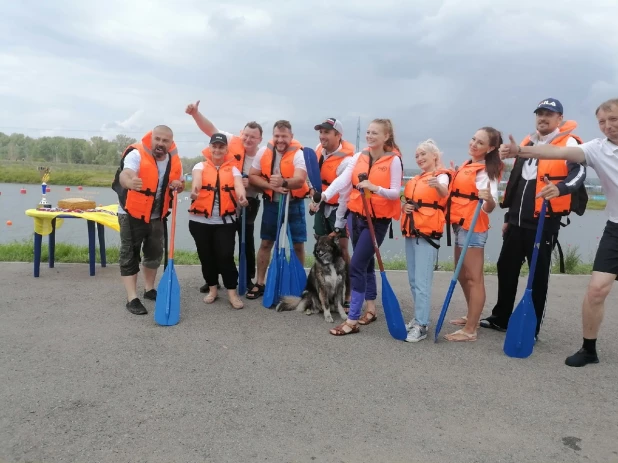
(430, 146)
(389, 144)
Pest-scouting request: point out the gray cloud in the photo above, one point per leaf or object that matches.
(437, 69)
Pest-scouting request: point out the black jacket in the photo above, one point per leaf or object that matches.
(519, 195)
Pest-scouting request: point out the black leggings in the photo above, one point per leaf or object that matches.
(215, 247)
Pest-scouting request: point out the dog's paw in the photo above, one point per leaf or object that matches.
(315, 310)
(308, 312)
(329, 318)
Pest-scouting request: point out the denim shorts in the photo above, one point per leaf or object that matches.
(478, 239)
(296, 220)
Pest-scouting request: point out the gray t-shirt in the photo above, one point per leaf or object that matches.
(602, 155)
(132, 161)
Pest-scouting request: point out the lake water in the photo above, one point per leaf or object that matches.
(583, 232)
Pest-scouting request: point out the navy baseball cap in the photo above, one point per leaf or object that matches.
(218, 138)
(551, 104)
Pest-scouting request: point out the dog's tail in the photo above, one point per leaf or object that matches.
(290, 303)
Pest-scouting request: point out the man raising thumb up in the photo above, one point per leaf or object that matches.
(549, 191)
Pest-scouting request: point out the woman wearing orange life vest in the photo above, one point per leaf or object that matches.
(382, 162)
(476, 179)
(216, 191)
(422, 225)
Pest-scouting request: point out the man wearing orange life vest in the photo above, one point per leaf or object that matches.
(333, 153)
(244, 148)
(148, 171)
(531, 182)
(277, 169)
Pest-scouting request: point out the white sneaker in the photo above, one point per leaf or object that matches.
(409, 325)
(417, 333)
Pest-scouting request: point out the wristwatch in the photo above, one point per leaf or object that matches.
(285, 183)
(337, 230)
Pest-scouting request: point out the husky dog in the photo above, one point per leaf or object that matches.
(325, 284)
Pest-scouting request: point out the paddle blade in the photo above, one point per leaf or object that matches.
(167, 305)
(268, 299)
(285, 288)
(392, 311)
(313, 168)
(447, 301)
(519, 339)
(242, 271)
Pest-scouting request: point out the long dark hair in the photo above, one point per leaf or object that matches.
(493, 163)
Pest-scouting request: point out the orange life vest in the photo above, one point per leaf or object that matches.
(286, 168)
(218, 182)
(328, 167)
(556, 170)
(464, 198)
(139, 204)
(235, 153)
(379, 174)
(429, 217)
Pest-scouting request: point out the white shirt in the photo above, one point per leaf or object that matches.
(298, 162)
(215, 218)
(343, 185)
(132, 161)
(481, 183)
(602, 155)
(529, 170)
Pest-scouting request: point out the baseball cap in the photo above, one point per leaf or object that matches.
(218, 138)
(551, 104)
(330, 123)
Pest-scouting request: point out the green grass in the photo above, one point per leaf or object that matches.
(22, 251)
(596, 205)
(60, 174)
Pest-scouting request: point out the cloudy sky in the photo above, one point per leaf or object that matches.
(438, 69)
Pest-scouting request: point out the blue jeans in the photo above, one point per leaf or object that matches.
(420, 259)
(478, 239)
(296, 220)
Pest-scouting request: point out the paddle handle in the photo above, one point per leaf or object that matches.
(362, 177)
(537, 243)
(173, 234)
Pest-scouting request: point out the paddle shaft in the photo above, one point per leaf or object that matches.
(475, 217)
(537, 243)
(173, 234)
(364, 195)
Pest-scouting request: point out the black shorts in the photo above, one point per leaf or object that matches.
(606, 259)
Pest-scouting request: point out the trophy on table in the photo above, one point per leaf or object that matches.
(44, 173)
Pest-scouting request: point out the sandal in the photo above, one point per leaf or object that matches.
(460, 336)
(461, 321)
(251, 294)
(209, 298)
(339, 331)
(236, 303)
(368, 317)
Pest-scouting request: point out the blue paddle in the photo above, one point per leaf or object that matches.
(272, 278)
(167, 305)
(392, 311)
(519, 339)
(298, 279)
(284, 265)
(242, 260)
(313, 169)
(451, 288)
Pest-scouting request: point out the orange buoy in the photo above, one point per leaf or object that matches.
(23, 191)
(100, 205)
(79, 187)
(48, 190)
(9, 223)
(66, 188)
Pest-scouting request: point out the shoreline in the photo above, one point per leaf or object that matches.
(22, 251)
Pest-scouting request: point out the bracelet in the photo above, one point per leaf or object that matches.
(518, 149)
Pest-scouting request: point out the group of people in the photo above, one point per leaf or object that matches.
(550, 165)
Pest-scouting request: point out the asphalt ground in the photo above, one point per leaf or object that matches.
(83, 380)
